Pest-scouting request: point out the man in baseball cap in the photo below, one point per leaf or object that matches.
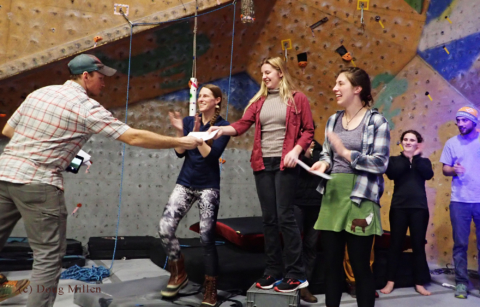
(89, 63)
(47, 131)
(460, 158)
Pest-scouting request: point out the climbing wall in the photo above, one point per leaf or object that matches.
(161, 60)
(450, 43)
(161, 68)
(377, 49)
(409, 108)
(149, 178)
(37, 32)
(402, 44)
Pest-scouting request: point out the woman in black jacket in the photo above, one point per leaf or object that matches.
(307, 207)
(409, 209)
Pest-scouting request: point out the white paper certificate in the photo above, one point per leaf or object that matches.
(307, 168)
(203, 135)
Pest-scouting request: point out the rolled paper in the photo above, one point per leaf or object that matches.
(193, 96)
(444, 47)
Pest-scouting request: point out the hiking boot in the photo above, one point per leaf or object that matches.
(266, 282)
(178, 277)
(461, 291)
(210, 295)
(307, 296)
(9, 289)
(291, 285)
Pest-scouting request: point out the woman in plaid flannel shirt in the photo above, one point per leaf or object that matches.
(355, 152)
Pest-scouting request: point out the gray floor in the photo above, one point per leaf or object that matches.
(125, 270)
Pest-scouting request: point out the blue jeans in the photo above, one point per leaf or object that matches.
(461, 215)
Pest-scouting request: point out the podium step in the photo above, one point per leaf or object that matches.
(270, 298)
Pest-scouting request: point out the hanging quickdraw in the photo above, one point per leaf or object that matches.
(286, 44)
(362, 21)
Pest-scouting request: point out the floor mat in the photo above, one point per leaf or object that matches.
(142, 292)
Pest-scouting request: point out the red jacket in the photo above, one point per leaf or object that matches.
(298, 131)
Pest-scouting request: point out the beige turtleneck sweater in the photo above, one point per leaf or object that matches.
(272, 118)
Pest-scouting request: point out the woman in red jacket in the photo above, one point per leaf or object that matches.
(283, 130)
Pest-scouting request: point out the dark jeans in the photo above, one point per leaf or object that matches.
(306, 217)
(359, 249)
(276, 192)
(417, 221)
(461, 215)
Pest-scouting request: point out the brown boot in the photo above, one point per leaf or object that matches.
(9, 289)
(178, 277)
(210, 295)
(307, 296)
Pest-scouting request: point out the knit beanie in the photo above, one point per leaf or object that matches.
(468, 113)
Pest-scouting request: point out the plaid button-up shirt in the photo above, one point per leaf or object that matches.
(371, 163)
(51, 126)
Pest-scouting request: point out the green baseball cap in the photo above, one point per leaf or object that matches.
(89, 63)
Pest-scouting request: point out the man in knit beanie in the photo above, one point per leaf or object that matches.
(461, 160)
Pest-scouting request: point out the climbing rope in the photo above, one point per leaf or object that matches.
(86, 274)
(194, 66)
(230, 74)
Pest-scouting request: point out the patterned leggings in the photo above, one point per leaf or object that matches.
(180, 202)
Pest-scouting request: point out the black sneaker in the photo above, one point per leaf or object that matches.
(266, 282)
(291, 285)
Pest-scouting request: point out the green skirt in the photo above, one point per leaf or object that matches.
(338, 210)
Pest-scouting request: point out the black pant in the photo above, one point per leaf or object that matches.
(359, 249)
(417, 221)
(276, 192)
(306, 217)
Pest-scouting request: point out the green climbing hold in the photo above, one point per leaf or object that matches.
(416, 4)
